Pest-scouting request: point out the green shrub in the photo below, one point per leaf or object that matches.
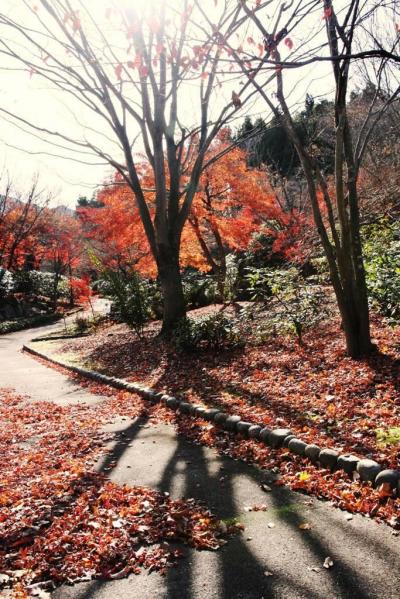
(214, 331)
(155, 299)
(19, 324)
(6, 282)
(36, 282)
(81, 324)
(199, 289)
(295, 304)
(382, 266)
(129, 293)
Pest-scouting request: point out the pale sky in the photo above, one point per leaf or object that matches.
(23, 154)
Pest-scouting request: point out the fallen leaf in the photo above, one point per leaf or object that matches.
(328, 563)
(266, 488)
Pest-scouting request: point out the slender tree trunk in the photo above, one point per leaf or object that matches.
(55, 290)
(71, 290)
(171, 284)
(344, 252)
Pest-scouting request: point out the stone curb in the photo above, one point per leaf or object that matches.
(59, 337)
(368, 470)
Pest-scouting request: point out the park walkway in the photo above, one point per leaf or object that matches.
(272, 558)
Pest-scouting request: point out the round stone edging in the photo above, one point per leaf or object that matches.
(368, 470)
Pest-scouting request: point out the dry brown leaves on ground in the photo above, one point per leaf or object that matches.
(60, 521)
(316, 391)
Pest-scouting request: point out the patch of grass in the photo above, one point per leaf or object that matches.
(285, 510)
(389, 436)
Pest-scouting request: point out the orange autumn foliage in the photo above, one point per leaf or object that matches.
(233, 202)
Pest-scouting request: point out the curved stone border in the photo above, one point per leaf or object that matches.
(368, 470)
(60, 337)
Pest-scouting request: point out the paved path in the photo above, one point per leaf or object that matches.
(365, 554)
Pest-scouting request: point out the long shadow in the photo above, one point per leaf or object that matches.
(236, 571)
(386, 368)
(346, 580)
(94, 587)
(125, 437)
(108, 464)
(279, 407)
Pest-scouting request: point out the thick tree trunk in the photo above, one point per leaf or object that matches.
(355, 322)
(171, 283)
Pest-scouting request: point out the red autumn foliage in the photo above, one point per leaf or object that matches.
(232, 203)
(23, 221)
(81, 290)
(61, 243)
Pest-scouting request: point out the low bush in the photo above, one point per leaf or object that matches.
(11, 326)
(81, 324)
(130, 297)
(199, 289)
(295, 304)
(212, 332)
(6, 282)
(382, 265)
(36, 282)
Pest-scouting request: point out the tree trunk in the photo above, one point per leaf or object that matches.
(71, 290)
(355, 322)
(171, 283)
(55, 290)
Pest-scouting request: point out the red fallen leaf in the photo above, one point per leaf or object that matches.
(289, 42)
(78, 511)
(22, 541)
(374, 509)
(385, 490)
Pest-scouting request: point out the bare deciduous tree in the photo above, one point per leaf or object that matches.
(335, 205)
(135, 75)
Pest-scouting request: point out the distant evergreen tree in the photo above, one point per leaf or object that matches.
(270, 144)
(83, 202)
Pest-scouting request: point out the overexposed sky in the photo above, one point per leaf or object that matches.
(23, 153)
